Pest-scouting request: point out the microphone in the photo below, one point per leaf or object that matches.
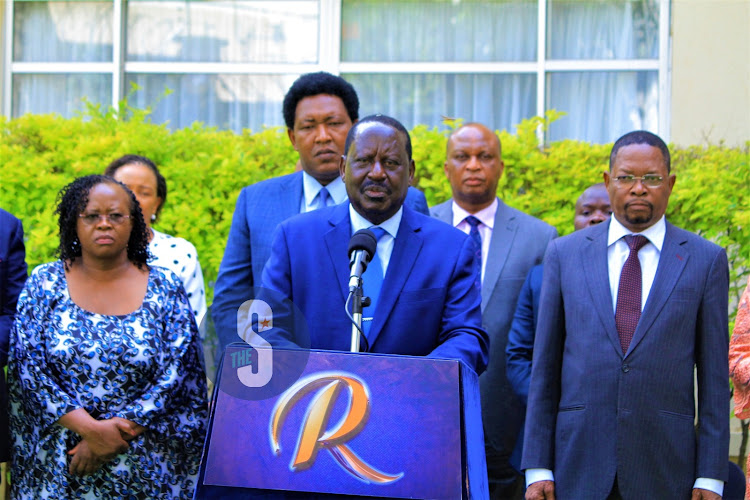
(362, 247)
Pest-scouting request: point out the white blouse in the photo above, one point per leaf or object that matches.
(181, 257)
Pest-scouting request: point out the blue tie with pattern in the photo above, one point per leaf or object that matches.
(323, 196)
(372, 282)
(477, 238)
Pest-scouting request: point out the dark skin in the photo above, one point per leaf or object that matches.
(321, 124)
(592, 207)
(103, 271)
(638, 207)
(377, 171)
(473, 166)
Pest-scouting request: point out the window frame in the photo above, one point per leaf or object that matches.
(329, 50)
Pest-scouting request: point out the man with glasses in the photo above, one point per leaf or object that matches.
(628, 309)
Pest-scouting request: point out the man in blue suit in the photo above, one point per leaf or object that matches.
(429, 304)
(13, 275)
(511, 243)
(630, 310)
(319, 109)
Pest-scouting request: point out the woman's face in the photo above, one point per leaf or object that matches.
(141, 180)
(104, 225)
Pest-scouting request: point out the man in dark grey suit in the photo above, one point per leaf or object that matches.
(319, 109)
(630, 312)
(511, 242)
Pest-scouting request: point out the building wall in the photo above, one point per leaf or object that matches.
(710, 98)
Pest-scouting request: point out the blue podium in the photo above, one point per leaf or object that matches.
(358, 425)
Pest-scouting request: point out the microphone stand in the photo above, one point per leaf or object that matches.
(358, 302)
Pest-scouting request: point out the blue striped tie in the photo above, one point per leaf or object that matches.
(372, 282)
(477, 238)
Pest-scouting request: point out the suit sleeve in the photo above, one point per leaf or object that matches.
(14, 274)
(521, 338)
(713, 373)
(462, 336)
(544, 389)
(234, 283)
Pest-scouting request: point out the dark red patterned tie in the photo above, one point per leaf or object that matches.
(628, 310)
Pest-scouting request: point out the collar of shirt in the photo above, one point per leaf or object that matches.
(486, 216)
(385, 244)
(618, 251)
(655, 233)
(311, 187)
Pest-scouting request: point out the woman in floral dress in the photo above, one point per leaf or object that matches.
(106, 377)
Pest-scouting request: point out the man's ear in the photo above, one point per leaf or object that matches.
(292, 138)
(342, 167)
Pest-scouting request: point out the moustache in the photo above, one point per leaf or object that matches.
(377, 186)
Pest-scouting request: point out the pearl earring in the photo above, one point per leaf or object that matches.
(153, 217)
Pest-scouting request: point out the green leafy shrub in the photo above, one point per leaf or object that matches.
(206, 168)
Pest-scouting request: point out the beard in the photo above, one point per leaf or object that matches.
(640, 217)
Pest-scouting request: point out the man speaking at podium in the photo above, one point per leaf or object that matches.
(429, 299)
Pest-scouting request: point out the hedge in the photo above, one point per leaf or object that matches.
(206, 169)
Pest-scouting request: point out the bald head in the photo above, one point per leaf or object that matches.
(592, 207)
(473, 166)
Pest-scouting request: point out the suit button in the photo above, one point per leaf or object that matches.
(625, 368)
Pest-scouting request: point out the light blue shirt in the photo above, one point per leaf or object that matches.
(311, 187)
(385, 244)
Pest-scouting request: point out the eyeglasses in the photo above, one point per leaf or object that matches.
(647, 180)
(114, 219)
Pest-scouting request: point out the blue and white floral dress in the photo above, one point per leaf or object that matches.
(146, 366)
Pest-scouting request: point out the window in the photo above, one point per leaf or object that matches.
(229, 63)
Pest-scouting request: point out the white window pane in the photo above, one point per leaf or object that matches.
(499, 101)
(62, 32)
(230, 102)
(439, 31)
(224, 31)
(602, 106)
(62, 94)
(615, 29)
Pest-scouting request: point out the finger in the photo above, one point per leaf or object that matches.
(75, 449)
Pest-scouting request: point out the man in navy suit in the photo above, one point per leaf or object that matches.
(511, 243)
(319, 109)
(592, 208)
(12, 278)
(429, 303)
(630, 312)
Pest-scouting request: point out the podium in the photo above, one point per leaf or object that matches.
(359, 425)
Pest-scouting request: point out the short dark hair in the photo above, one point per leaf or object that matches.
(385, 120)
(161, 182)
(72, 200)
(641, 137)
(312, 84)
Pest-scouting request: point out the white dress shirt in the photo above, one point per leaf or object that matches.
(311, 187)
(487, 218)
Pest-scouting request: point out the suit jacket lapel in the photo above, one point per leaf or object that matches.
(672, 260)
(501, 241)
(406, 248)
(596, 273)
(337, 242)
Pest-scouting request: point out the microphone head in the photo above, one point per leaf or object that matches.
(364, 239)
